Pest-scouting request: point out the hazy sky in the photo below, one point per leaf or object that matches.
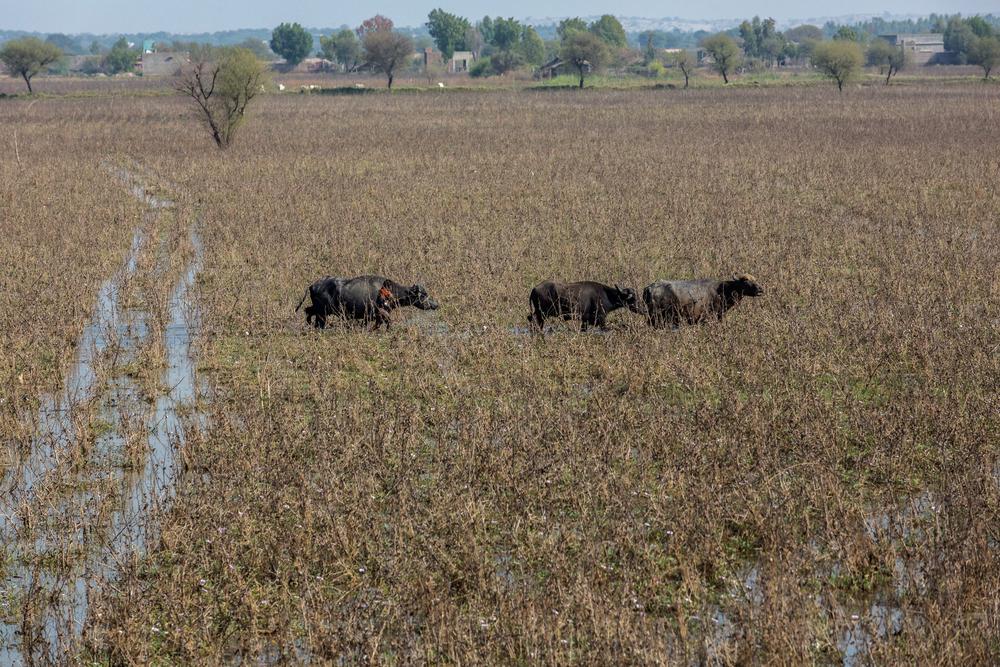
(109, 16)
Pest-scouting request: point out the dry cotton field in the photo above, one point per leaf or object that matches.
(813, 480)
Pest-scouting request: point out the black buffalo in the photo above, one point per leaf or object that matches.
(676, 302)
(324, 297)
(368, 298)
(587, 301)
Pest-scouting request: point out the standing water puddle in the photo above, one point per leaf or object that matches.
(70, 514)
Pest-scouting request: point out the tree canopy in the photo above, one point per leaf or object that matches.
(509, 44)
(386, 51)
(725, 53)
(610, 30)
(839, 59)
(292, 42)
(585, 51)
(985, 52)
(65, 43)
(755, 35)
(567, 26)
(377, 23)
(685, 62)
(27, 57)
(120, 58)
(801, 33)
(532, 46)
(888, 57)
(343, 48)
(448, 32)
(223, 88)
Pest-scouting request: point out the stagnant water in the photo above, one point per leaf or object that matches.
(77, 543)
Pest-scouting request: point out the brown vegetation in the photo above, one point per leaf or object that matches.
(452, 491)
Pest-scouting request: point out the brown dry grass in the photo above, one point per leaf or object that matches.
(468, 495)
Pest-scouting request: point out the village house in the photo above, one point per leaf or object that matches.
(461, 61)
(925, 48)
(162, 63)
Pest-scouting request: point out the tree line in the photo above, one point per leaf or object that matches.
(500, 45)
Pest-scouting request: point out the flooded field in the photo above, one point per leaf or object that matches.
(194, 475)
(78, 505)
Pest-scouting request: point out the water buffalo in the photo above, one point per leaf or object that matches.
(588, 301)
(368, 298)
(325, 301)
(675, 302)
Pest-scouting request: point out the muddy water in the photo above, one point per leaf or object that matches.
(106, 500)
(863, 624)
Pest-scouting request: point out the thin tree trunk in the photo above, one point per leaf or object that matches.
(685, 80)
(725, 79)
(390, 80)
(27, 80)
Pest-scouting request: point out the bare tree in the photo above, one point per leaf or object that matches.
(387, 51)
(222, 87)
(685, 62)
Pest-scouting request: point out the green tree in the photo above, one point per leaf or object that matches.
(568, 26)
(979, 26)
(887, 57)
(800, 33)
(258, 47)
(448, 31)
(474, 41)
(64, 43)
(985, 52)
(755, 34)
(840, 60)
(506, 61)
(27, 57)
(610, 30)
(958, 37)
(773, 48)
(506, 33)
(343, 48)
(95, 48)
(387, 52)
(485, 28)
(725, 53)
(120, 58)
(292, 42)
(846, 34)
(585, 51)
(648, 50)
(222, 90)
(685, 62)
(532, 46)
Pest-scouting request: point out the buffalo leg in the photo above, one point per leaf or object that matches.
(537, 319)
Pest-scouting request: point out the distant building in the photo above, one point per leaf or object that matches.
(148, 46)
(83, 64)
(697, 54)
(461, 61)
(431, 58)
(550, 69)
(923, 48)
(163, 63)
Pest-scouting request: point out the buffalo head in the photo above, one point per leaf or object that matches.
(746, 285)
(627, 297)
(417, 296)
